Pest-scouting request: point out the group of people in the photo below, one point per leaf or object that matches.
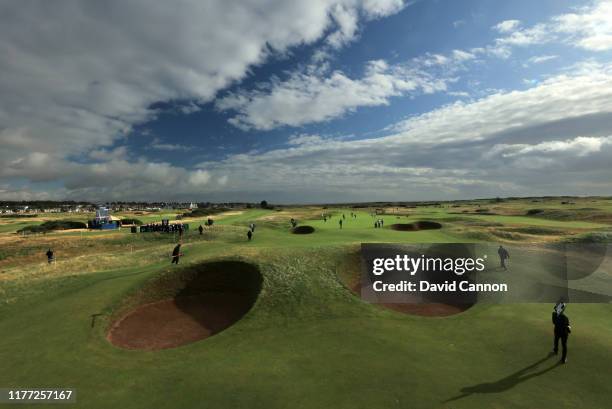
(164, 228)
(379, 223)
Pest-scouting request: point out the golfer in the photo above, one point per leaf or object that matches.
(562, 330)
(503, 256)
(340, 223)
(176, 254)
(250, 235)
(200, 229)
(49, 254)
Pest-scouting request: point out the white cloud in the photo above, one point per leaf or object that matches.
(590, 28)
(560, 97)
(539, 59)
(307, 97)
(222, 181)
(304, 139)
(460, 55)
(507, 26)
(199, 178)
(109, 154)
(157, 144)
(579, 146)
(314, 94)
(461, 94)
(537, 34)
(491, 146)
(76, 78)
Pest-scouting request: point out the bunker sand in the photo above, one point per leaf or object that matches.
(178, 321)
(207, 299)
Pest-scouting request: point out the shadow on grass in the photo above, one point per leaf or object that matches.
(506, 383)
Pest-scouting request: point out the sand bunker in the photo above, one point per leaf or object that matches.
(420, 225)
(303, 230)
(207, 300)
(428, 304)
(429, 309)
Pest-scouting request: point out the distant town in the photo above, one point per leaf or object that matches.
(35, 207)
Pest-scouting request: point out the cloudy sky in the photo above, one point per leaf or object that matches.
(305, 101)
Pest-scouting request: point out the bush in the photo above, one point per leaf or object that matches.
(53, 225)
(595, 237)
(533, 212)
(131, 221)
(202, 212)
(264, 205)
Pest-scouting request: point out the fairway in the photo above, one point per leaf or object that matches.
(307, 338)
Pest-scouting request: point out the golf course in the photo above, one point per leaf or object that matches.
(277, 321)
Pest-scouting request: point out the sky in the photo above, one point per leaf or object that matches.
(304, 102)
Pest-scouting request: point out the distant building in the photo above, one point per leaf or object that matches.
(104, 220)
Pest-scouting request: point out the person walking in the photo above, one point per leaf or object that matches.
(249, 235)
(562, 330)
(503, 256)
(176, 254)
(49, 254)
(201, 229)
(340, 223)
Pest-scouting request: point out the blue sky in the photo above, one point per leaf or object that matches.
(330, 101)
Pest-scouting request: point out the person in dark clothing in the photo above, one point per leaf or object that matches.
(503, 256)
(49, 254)
(176, 254)
(250, 235)
(562, 330)
(340, 223)
(200, 229)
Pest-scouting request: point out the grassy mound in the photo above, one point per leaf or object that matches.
(186, 306)
(585, 213)
(53, 225)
